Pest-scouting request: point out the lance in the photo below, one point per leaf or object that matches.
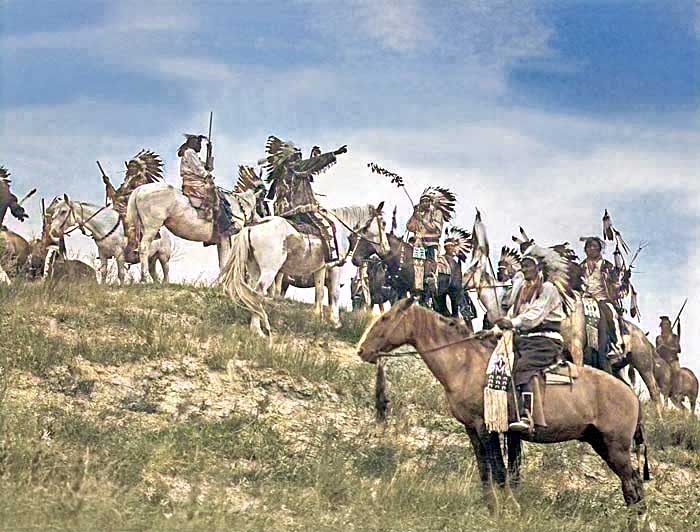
(395, 178)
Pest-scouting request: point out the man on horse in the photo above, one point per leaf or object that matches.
(8, 200)
(198, 185)
(291, 177)
(435, 207)
(537, 315)
(668, 347)
(145, 167)
(601, 283)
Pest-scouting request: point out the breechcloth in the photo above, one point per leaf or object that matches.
(421, 265)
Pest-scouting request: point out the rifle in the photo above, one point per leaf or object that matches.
(210, 158)
(678, 319)
(106, 181)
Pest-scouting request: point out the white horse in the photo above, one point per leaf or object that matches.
(261, 254)
(105, 228)
(155, 205)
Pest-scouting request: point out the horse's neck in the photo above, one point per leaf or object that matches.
(97, 222)
(439, 344)
(350, 217)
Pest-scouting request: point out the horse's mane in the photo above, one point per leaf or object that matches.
(353, 215)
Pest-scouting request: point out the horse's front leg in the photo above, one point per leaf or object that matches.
(319, 285)
(483, 463)
(121, 268)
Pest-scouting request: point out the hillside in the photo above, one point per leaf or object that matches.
(152, 408)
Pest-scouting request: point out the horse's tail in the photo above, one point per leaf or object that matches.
(233, 277)
(639, 440)
(133, 217)
(381, 400)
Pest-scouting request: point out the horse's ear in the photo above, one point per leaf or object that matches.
(380, 207)
(65, 198)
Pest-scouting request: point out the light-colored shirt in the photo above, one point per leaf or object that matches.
(547, 307)
(192, 168)
(593, 281)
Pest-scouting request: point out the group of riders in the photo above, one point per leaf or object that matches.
(532, 305)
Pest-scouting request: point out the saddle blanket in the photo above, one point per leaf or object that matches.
(563, 372)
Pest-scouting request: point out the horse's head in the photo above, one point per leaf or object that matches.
(62, 216)
(370, 238)
(388, 332)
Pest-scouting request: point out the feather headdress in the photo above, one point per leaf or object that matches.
(523, 240)
(557, 270)
(461, 239)
(5, 175)
(248, 180)
(144, 165)
(278, 153)
(510, 259)
(443, 199)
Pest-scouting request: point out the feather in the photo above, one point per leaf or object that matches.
(621, 241)
(145, 167)
(248, 179)
(509, 260)
(619, 260)
(566, 251)
(634, 307)
(523, 240)
(480, 242)
(5, 175)
(394, 225)
(607, 226)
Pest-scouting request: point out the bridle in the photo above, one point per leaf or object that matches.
(81, 223)
(376, 216)
(399, 320)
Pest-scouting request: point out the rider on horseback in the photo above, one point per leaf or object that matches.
(435, 207)
(291, 177)
(668, 347)
(144, 167)
(198, 186)
(538, 312)
(8, 200)
(601, 282)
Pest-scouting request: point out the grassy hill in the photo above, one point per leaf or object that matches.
(153, 408)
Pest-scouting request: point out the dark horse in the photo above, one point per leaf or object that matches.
(400, 275)
(598, 409)
(379, 291)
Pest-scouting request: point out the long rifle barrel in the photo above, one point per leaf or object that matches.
(679, 313)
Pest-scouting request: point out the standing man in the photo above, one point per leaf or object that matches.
(538, 312)
(601, 282)
(668, 347)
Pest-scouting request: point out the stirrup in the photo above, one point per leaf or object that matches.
(522, 425)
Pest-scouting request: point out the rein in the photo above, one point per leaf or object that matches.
(357, 232)
(82, 224)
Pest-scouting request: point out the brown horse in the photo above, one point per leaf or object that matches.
(662, 375)
(14, 251)
(687, 385)
(599, 409)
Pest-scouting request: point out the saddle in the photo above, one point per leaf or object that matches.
(305, 223)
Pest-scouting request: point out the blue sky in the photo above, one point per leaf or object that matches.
(541, 113)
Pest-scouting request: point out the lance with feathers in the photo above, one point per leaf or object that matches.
(395, 178)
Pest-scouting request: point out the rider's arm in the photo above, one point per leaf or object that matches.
(194, 165)
(308, 167)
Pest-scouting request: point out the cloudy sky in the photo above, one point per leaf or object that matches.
(541, 113)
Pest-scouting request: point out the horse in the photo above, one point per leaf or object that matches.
(14, 251)
(263, 253)
(105, 227)
(598, 408)
(640, 353)
(400, 274)
(662, 375)
(155, 205)
(379, 292)
(687, 386)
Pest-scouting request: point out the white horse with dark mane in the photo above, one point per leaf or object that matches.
(103, 225)
(155, 205)
(261, 254)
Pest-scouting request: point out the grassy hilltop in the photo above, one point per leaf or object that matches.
(153, 408)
